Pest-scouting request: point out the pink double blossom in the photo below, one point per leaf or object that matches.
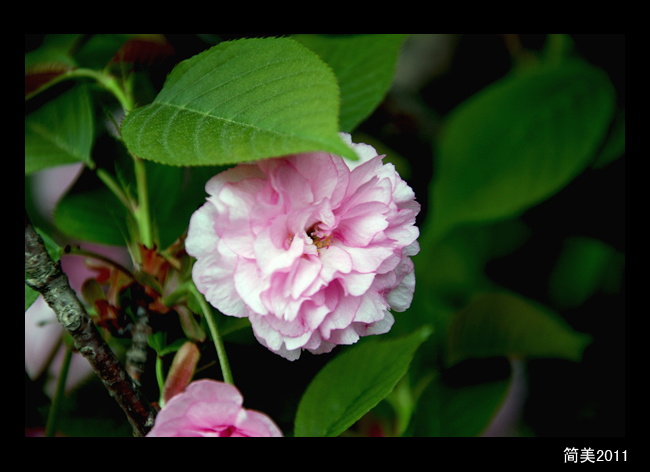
(211, 409)
(312, 248)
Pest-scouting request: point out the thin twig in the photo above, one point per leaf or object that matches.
(45, 276)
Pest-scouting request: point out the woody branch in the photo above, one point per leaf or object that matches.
(46, 277)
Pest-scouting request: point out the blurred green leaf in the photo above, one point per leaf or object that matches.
(164, 185)
(585, 266)
(519, 141)
(173, 347)
(448, 272)
(90, 212)
(353, 383)
(364, 66)
(98, 50)
(504, 324)
(240, 101)
(55, 48)
(158, 342)
(60, 132)
(174, 194)
(46, 64)
(445, 411)
(615, 145)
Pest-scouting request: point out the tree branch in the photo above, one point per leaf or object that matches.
(45, 276)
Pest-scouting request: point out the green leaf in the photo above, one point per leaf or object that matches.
(240, 101)
(519, 141)
(30, 296)
(174, 195)
(91, 212)
(173, 347)
(55, 48)
(502, 324)
(446, 411)
(48, 63)
(614, 147)
(585, 266)
(97, 50)
(158, 342)
(353, 383)
(364, 66)
(60, 132)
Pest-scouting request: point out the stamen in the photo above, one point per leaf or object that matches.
(320, 243)
(287, 242)
(319, 239)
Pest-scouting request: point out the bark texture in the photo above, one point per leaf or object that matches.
(45, 276)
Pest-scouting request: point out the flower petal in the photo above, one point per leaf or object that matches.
(313, 249)
(208, 408)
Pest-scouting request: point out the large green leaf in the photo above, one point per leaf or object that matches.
(519, 141)
(60, 132)
(353, 383)
(364, 66)
(503, 324)
(240, 101)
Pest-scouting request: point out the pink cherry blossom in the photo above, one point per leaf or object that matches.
(312, 248)
(211, 409)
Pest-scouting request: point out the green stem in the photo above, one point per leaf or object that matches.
(114, 187)
(142, 212)
(108, 81)
(216, 337)
(58, 395)
(161, 380)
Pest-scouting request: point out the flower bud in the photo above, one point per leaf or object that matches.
(181, 371)
(191, 327)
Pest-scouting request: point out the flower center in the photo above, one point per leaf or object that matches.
(319, 238)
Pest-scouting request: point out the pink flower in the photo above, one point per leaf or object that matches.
(313, 249)
(211, 409)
